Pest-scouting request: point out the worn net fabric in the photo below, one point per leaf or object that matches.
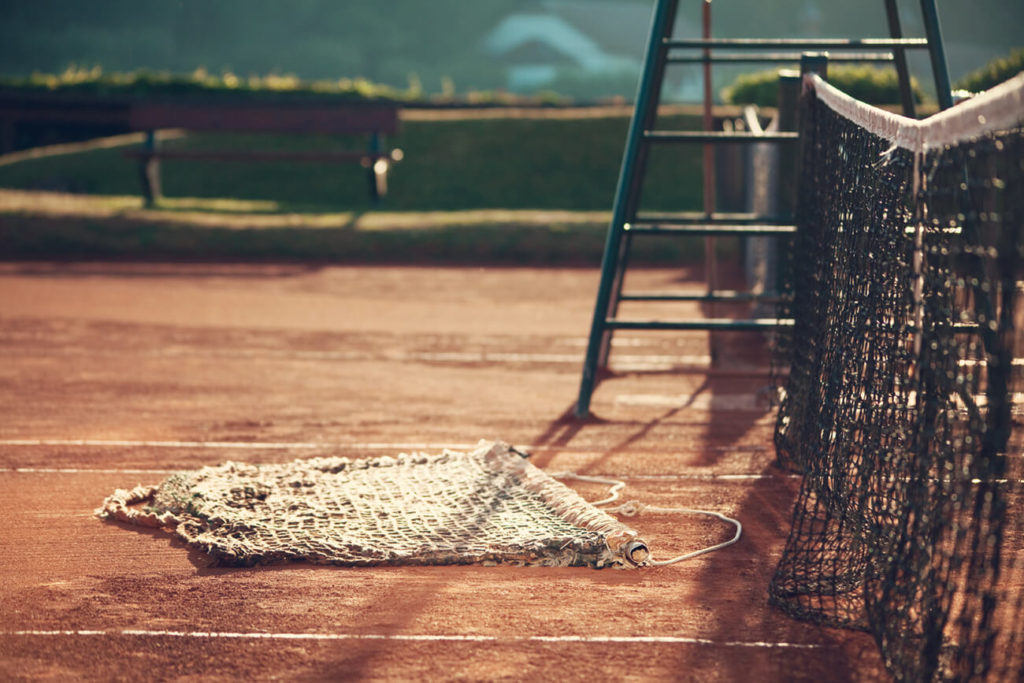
(486, 506)
(899, 404)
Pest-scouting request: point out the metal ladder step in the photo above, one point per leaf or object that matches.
(717, 136)
(777, 57)
(743, 230)
(718, 295)
(701, 218)
(698, 324)
(796, 43)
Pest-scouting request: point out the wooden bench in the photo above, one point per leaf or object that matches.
(373, 120)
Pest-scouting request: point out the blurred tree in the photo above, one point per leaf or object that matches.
(387, 40)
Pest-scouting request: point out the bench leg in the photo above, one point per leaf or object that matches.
(7, 135)
(149, 172)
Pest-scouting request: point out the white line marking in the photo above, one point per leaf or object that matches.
(622, 363)
(708, 477)
(305, 445)
(251, 445)
(680, 640)
(623, 477)
(272, 445)
(72, 470)
(716, 402)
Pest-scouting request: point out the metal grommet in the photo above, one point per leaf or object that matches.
(636, 553)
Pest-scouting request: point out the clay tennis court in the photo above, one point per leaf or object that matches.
(115, 375)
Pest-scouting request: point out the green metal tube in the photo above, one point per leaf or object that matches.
(630, 173)
(933, 30)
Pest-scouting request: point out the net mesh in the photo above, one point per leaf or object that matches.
(486, 506)
(898, 406)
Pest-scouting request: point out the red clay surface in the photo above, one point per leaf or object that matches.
(114, 374)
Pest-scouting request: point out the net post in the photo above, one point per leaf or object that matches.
(789, 107)
(788, 169)
(814, 62)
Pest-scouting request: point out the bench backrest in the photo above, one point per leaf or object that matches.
(266, 118)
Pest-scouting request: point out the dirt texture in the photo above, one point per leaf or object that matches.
(114, 375)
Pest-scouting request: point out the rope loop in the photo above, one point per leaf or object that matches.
(630, 508)
(633, 508)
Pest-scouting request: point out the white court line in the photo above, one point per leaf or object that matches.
(680, 640)
(706, 477)
(277, 445)
(715, 402)
(73, 470)
(241, 445)
(619, 362)
(306, 445)
(623, 477)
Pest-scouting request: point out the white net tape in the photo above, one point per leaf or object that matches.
(1000, 108)
(486, 506)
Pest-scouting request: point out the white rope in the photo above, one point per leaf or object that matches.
(633, 507)
(615, 485)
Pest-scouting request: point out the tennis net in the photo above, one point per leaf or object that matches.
(898, 408)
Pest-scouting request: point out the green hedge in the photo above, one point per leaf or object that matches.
(870, 84)
(473, 163)
(993, 73)
(143, 82)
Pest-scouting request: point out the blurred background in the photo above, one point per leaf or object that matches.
(584, 49)
(494, 98)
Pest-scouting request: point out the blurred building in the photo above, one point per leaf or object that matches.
(579, 45)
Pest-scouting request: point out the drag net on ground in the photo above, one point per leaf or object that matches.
(899, 404)
(486, 506)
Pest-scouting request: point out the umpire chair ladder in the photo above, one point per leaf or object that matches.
(627, 219)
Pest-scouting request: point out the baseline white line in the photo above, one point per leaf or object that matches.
(621, 362)
(680, 640)
(623, 477)
(271, 445)
(241, 445)
(74, 470)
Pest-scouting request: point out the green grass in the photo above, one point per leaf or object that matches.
(38, 225)
(510, 191)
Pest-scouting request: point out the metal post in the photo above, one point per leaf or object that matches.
(630, 175)
(621, 264)
(814, 62)
(631, 201)
(781, 252)
(788, 109)
(899, 57)
(933, 31)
